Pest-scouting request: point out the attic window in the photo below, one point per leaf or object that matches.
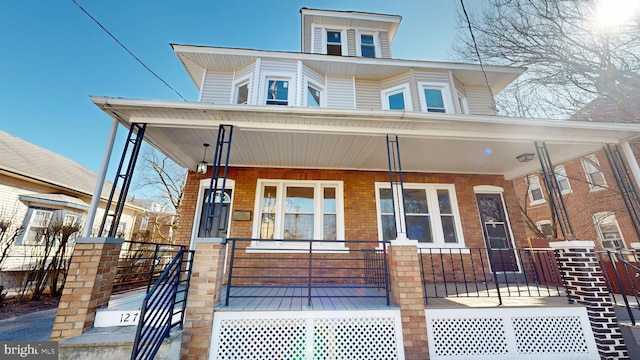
(367, 46)
(334, 42)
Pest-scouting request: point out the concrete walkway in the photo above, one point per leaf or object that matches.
(34, 326)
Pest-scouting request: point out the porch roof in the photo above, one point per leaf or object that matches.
(270, 136)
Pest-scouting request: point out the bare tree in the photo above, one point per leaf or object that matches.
(570, 58)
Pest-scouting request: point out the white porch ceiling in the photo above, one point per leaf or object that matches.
(352, 139)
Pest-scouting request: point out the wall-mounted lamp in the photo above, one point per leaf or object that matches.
(525, 157)
(202, 166)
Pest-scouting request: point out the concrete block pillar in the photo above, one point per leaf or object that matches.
(88, 286)
(586, 285)
(205, 292)
(406, 292)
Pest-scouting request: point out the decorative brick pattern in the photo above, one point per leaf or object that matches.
(586, 285)
(204, 293)
(406, 291)
(88, 286)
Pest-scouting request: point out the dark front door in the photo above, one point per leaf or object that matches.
(497, 235)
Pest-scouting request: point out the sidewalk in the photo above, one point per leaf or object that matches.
(33, 326)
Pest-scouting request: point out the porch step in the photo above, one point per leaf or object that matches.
(124, 310)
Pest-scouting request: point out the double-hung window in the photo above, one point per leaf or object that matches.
(335, 42)
(595, 177)
(277, 92)
(435, 97)
(39, 220)
(608, 230)
(368, 44)
(545, 228)
(562, 179)
(299, 210)
(396, 98)
(536, 196)
(430, 214)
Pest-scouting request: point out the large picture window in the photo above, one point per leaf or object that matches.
(299, 210)
(277, 92)
(431, 213)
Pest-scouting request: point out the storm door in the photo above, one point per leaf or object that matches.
(497, 234)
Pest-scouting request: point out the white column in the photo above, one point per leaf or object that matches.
(97, 191)
(631, 160)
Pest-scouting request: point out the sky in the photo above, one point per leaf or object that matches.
(54, 56)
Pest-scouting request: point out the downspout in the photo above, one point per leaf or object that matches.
(97, 192)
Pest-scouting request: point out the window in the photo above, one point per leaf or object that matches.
(561, 178)
(462, 102)
(431, 213)
(242, 93)
(595, 177)
(334, 42)
(536, 195)
(396, 98)
(38, 222)
(299, 210)
(144, 223)
(545, 228)
(277, 92)
(313, 96)
(435, 97)
(608, 231)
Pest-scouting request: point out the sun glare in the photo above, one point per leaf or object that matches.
(616, 12)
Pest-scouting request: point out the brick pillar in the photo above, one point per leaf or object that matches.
(406, 292)
(586, 285)
(204, 293)
(88, 285)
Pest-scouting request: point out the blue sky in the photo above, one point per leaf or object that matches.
(54, 56)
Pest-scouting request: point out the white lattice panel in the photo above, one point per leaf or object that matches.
(504, 333)
(311, 335)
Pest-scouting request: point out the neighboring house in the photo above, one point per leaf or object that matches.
(155, 224)
(313, 143)
(39, 188)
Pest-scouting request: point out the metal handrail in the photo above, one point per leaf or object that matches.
(615, 281)
(158, 309)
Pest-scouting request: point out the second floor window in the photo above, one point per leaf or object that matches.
(396, 98)
(595, 177)
(334, 42)
(242, 93)
(563, 180)
(435, 97)
(313, 96)
(536, 196)
(367, 46)
(277, 92)
(608, 231)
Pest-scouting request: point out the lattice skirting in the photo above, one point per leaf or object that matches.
(309, 335)
(510, 333)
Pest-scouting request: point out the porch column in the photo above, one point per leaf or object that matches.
(204, 293)
(88, 286)
(586, 285)
(406, 292)
(631, 160)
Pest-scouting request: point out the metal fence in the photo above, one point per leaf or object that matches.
(482, 272)
(621, 270)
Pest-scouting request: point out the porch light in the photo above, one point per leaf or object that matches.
(525, 157)
(202, 166)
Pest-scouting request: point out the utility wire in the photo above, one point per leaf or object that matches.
(129, 51)
(475, 46)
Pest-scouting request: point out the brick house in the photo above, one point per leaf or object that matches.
(340, 150)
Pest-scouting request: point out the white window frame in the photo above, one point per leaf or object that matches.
(445, 88)
(343, 39)
(608, 217)
(204, 186)
(290, 92)
(268, 245)
(561, 174)
(462, 102)
(308, 84)
(144, 223)
(544, 222)
(586, 163)
(533, 182)
(237, 83)
(32, 217)
(434, 213)
(404, 89)
(376, 42)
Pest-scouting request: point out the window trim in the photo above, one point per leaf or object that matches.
(544, 222)
(202, 187)
(462, 102)
(376, 43)
(405, 89)
(268, 245)
(343, 40)
(585, 165)
(528, 183)
(444, 88)
(290, 92)
(28, 223)
(434, 214)
(560, 172)
(237, 83)
(598, 219)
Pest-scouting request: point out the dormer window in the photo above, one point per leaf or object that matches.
(334, 42)
(277, 92)
(368, 44)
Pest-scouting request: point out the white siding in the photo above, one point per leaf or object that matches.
(479, 100)
(385, 46)
(340, 92)
(313, 76)
(318, 35)
(244, 71)
(351, 42)
(278, 69)
(11, 208)
(401, 79)
(368, 94)
(217, 87)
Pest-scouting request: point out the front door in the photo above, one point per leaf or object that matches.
(497, 234)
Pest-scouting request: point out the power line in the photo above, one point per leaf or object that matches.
(475, 46)
(129, 51)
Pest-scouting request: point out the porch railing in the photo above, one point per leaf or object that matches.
(305, 265)
(141, 264)
(621, 270)
(495, 273)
